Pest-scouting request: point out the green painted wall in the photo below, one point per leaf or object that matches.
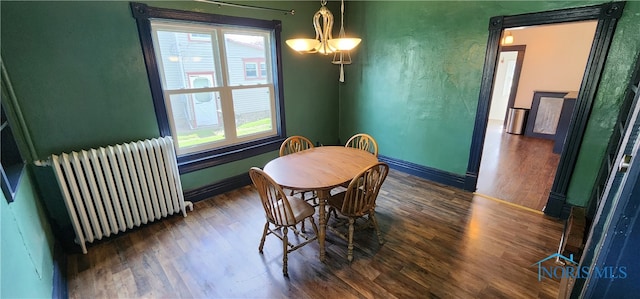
(26, 245)
(415, 80)
(80, 79)
(624, 51)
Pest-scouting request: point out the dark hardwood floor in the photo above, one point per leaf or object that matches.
(516, 168)
(441, 242)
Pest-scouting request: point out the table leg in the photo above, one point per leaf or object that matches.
(322, 197)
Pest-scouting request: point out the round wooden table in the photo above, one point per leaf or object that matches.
(320, 169)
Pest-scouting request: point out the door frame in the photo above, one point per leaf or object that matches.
(607, 15)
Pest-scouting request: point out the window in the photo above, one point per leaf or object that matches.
(263, 69)
(250, 70)
(11, 165)
(216, 83)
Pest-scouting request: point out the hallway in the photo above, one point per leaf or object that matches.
(516, 168)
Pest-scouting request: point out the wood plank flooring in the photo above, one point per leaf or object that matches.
(517, 168)
(441, 242)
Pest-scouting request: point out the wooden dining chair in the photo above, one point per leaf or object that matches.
(364, 142)
(283, 212)
(296, 144)
(357, 201)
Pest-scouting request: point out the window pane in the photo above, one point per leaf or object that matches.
(263, 69)
(183, 54)
(250, 70)
(243, 50)
(197, 119)
(252, 110)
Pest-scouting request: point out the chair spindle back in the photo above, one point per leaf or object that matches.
(362, 192)
(274, 200)
(364, 142)
(295, 144)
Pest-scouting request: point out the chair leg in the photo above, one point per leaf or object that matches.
(264, 236)
(285, 246)
(350, 247)
(313, 225)
(328, 215)
(302, 196)
(372, 217)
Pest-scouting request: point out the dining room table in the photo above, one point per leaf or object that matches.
(319, 169)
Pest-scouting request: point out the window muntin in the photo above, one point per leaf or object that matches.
(207, 111)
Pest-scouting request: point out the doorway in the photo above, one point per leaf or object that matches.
(606, 15)
(518, 163)
(506, 81)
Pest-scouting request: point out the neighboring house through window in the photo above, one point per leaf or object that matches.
(215, 82)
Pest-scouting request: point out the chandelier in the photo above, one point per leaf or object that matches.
(324, 43)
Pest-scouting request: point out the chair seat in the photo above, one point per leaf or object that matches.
(300, 208)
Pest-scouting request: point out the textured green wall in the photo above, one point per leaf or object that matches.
(26, 247)
(415, 80)
(615, 77)
(79, 76)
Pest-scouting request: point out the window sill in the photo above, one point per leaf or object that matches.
(196, 161)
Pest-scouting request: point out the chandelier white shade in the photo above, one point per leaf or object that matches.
(344, 43)
(303, 44)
